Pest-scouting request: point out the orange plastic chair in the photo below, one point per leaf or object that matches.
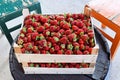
(108, 13)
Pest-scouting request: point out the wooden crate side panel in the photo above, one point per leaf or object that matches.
(38, 70)
(42, 58)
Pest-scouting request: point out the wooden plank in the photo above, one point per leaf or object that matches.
(42, 58)
(38, 70)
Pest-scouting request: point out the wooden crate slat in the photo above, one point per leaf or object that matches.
(42, 58)
(38, 70)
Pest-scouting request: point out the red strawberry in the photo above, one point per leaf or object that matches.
(44, 19)
(61, 31)
(29, 38)
(81, 16)
(42, 43)
(66, 26)
(90, 34)
(23, 50)
(74, 16)
(52, 28)
(80, 24)
(36, 17)
(86, 52)
(67, 32)
(46, 25)
(82, 46)
(57, 48)
(56, 39)
(76, 45)
(40, 29)
(52, 50)
(59, 52)
(60, 18)
(85, 37)
(77, 65)
(63, 40)
(35, 49)
(28, 46)
(68, 52)
(85, 65)
(74, 22)
(49, 44)
(34, 35)
(28, 22)
(25, 39)
(28, 17)
(30, 30)
(43, 52)
(81, 41)
(57, 28)
(53, 22)
(90, 50)
(35, 24)
(79, 52)
(80, 32)
(42, 64)
(72, 37)
(75, 28)
(46, 33)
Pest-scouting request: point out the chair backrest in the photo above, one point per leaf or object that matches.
(3, 19)
(105, 23)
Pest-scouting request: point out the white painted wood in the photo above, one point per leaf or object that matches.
(42, 58)
(38, 70)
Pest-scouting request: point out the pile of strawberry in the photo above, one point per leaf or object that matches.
(56, 34)
(60, 65)
(66, 34)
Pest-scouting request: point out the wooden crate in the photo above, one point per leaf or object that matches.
(53, 58)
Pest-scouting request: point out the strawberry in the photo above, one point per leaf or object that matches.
(85, 37)
(74, 22)
(70, 46)
(80, 24)
(66, 26)
(28, 22)
(82, 46)
(68, 52)
(72, 37)
(86, 52)
(90, 34)
(43, 52)
(53, 22)
(42, 64)
(57, 48)
(74, 16)
(52, 28)
(46, 33)
(60, 18)
(85, 65)
(79, 52)
(57, 28)
(29, 38)
(67, 32)
(25, 39)
(28, 17)
(63, 40)
(30, 30)
(46, 25)
(29, 46)
(35, 49)
(59, 52)
(75, 28)
(90, 50)
(36, 17)
(23, 50)
(80, 32)
(61, 31)
(77, 65)
(52, 50)
(40, 29)
(43, 43)
(35, 24)
(81, 41)
(81, 16)
(34, 35)
(44, 19)
(76, 45)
